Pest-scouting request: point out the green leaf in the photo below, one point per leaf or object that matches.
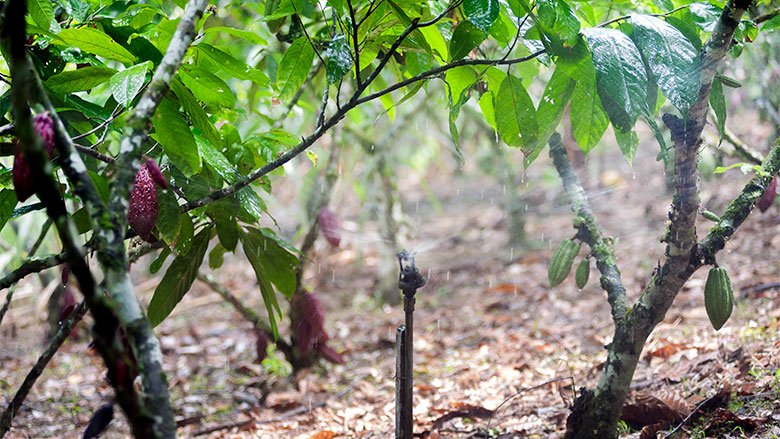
(7, 204)
(42, 12)
(126, 84)
(240, 33)
(227, 228)
(464, 39)
(620, 75)
(216, 256)
(515, 114)
(589, 121)
(628, 142)
(173, 133)
(558, 24)
(294, 68)
(186, 234)
(672, 59)
(339, 59)
(178, 279)
(83, 79)
(718, 104)
(217, 161)
(207, 87)
(551, 108)
(250, 203)
(481, 13)
(197, 114)
(459, 80)
(157, 264)
(93, 41)
(238, 69)
(274, 265)
(168, 217)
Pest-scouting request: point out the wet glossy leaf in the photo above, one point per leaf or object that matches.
(83, 79)
(173, 133)
(338, 59)
(620, 75)
(464, 39)
(672, 59)
(515, 114)
(481, 13)
(126, 84)
(93, 41)
(294, 68)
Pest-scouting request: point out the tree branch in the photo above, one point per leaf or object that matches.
(43, 360)
(738, 210)
(589, 231)
(106, 324)
(356, 100)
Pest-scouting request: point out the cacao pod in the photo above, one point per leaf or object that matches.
(68, 303)
(99, 421)
(65, 274)
(21, 176)
(710, 216)
(261, 344)
(768, 197)
(308, 319)
(582, 274)
(142, 212)
(329, 225)
(718, 297)
(561, 262)
(156, 173)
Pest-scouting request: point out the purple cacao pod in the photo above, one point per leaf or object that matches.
(329, 226)
(142, 212)
(768, 197)
(156, 173)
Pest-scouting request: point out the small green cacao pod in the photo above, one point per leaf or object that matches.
(561, 262)
(718, 297)
(710, 216)
(582, 274)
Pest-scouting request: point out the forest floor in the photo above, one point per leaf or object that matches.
(498, 353)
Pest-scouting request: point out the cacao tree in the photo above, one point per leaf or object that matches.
(169, 121)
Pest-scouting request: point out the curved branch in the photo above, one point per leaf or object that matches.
(55, 343)
(356, 100)
(590, 232)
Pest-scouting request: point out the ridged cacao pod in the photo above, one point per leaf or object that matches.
(768, 197)
(582, 274)
(561, 262)
(718, 297)
(143, 209)
(24, 186)
(156, 173)
(329, 226)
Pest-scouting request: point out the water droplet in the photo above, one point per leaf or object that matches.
(448, 275)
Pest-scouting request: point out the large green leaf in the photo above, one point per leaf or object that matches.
(178, 279)
(7, 204)
(126, 84)
(672, 59)
(481, 13)
(96, 42)
(338, 59)
(620, 75)
(558, 23)
(168, 217)
(238, 69)
(207, 87)
(83, 79)
(274, 265)
(588, 118)
(173, 133)
(553, 103)
(294, 68)
(464, 39)
(42, 12)
(459, 80)
(515, 114)
(252, 37)
(196, 113)
(627, 141)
